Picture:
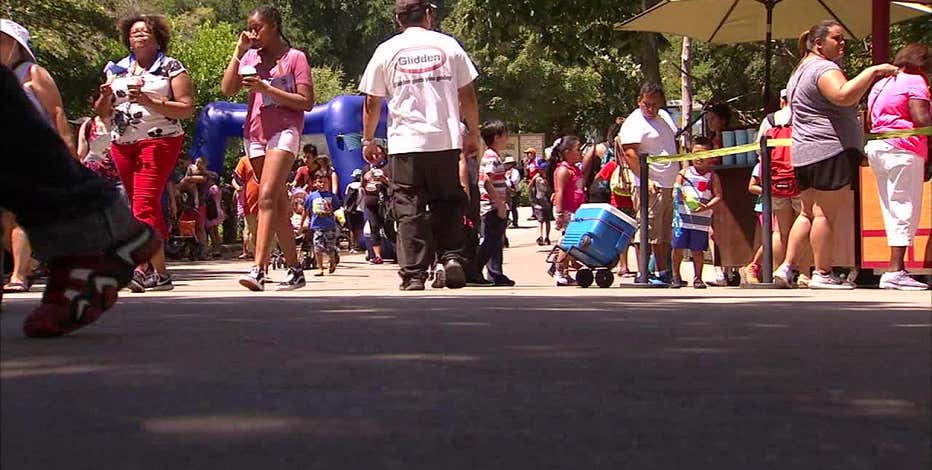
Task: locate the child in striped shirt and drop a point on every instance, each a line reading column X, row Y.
column 696, row 191
column 493, row 203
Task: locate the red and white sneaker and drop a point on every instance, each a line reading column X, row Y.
column 81, row 288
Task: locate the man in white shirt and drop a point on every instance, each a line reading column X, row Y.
column 650, row 129
column 427, row 79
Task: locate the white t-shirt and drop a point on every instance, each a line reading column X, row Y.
column 420, row 72
column 655, row 136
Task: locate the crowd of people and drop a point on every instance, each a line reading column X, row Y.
column 446, row 206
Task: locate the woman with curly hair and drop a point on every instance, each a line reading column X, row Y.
column 145, row 96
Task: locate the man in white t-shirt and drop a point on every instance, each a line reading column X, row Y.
column 650, row 129
column 427, row 79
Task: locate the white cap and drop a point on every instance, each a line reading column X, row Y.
column 783, row 94
column 19, row 34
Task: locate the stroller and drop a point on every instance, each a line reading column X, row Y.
column 183, row 242
column 594, row 239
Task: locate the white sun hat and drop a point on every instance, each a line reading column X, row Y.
column 18, row 33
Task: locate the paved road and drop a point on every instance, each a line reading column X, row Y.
column 351, row 374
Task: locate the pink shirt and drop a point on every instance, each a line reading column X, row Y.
column 889, row 106
column 265, row 117
column 575, row 195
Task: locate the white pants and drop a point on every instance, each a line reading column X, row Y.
column 899, row 182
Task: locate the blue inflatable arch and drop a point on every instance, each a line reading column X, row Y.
column 339, row 122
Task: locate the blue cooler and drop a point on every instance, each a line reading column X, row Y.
column 598, row 234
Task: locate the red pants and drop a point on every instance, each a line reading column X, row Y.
column 144, row 168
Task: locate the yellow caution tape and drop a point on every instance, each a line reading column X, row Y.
column 926, row 131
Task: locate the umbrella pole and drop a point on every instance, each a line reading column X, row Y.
column 768, row 50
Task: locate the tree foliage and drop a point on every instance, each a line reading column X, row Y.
column 545, row 65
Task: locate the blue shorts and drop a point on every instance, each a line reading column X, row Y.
column 696, row 240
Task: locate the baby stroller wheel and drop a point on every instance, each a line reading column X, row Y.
column 604, row 278
column 584, row 277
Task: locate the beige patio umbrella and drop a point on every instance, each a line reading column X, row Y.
column 734, row 21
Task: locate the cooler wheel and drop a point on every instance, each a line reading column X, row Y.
column 604, row 278
column 584, row 277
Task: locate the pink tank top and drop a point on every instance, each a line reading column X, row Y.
column 575, row 197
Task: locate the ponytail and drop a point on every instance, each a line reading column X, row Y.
column 803, row 45
column 807, row 40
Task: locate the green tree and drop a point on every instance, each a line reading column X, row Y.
column 72, row 39
column 550, row 65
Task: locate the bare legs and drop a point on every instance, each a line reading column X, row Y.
column 816, row 224
column 274, row 208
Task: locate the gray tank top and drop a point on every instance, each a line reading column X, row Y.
column 821, row 130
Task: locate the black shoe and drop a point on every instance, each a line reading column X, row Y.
column 455, row 276
column 158, row 282
column 503, row 282
column 294, row 279
column 547, row 241
column 440, row 280
column 677, row 283
column 479, row 282
column 138, row 283
column 540, row 241
column 413, row 283
column 254, row 280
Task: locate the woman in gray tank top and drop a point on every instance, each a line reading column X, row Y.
column 827, row 146
column 42, row 92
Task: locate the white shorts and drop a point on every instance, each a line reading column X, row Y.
column 288, row 140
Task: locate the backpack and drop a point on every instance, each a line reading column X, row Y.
column 351, row 204
column 782, row 175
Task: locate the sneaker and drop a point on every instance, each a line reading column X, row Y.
column 137, row 284
column 802, row 281
column 677, row 283
column 479, row 282
column 81, row 288
column 159, row 282
column 783, row 277
column 254, row 280
column 657, row 281
column 698, row 284
column 900, row 280
column 828, row 281
column 503, row 282
column 719, row 281
column 563, row 280
column 749, row 274
column 440, row 279
column 455, row 276
column 294, row 279
column 413, row 283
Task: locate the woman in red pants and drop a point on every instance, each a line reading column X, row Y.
column 145, row 96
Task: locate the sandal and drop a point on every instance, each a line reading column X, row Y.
column 698, row 284
column 16, row 287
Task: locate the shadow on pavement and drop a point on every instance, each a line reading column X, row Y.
column 510, row 382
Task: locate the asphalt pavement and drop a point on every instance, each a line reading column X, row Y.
column 349, row 373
